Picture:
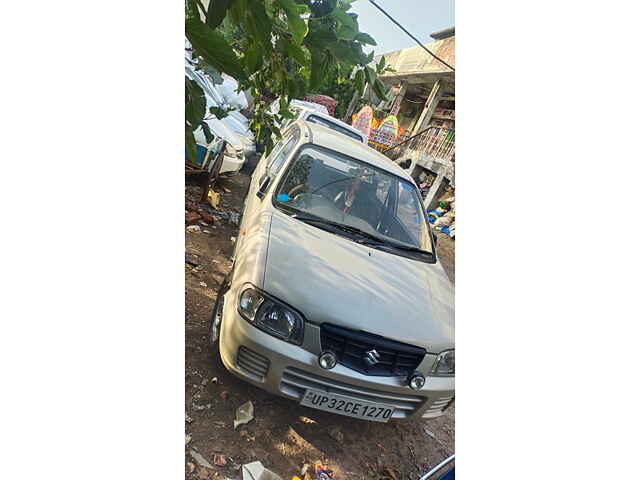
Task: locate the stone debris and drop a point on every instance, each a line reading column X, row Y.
column 200, row 460
column 244, row 414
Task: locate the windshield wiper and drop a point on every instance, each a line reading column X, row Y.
column 370, row 239
column 340, row 226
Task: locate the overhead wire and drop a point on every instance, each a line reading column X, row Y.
column 409, row 33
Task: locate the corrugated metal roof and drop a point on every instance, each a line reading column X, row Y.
column 417, row 60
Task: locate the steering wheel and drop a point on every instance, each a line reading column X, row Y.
column 296, row 190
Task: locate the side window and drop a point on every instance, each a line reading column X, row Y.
column 274, row 166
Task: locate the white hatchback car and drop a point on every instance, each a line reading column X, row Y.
column 336, row 298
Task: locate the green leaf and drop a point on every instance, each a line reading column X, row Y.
column 371, row 75
column 219, row 112
column 317, row 62
column 284, row 111
column 260, row 24
column 379, row 89
column 381, row 64
column 213, row 74
column 345, row 19
column 251, row 58
column 359, row 81
column 191, row 9
column 238, row 11
column 195, row 103
column 296, row 23
column 296, row 52
column 207, row 132
column 365, row 38
column 345, row 32
column 215, row 50
column 217, row 11
column 190, row 144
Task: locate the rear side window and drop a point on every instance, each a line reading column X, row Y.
column 276, row 164
column 334, row 126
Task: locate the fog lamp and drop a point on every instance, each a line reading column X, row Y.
column 416, row 380
column 327, row 360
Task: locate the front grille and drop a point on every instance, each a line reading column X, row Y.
column 252, row 363
column 295, row 382
column 351, row 347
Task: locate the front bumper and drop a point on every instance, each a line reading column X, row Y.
column 288, row 370
column 231, row 165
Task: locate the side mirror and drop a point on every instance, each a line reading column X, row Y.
column 264, row 185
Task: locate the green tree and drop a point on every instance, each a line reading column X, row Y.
column 275, row 49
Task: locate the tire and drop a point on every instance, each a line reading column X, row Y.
column 213, row 333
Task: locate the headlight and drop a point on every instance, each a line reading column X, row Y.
column 271, row 315
column 445, row 364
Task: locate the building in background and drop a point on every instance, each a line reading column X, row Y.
column 421, row 95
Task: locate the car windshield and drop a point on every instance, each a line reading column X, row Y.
column 334, row 126
column 324, row 185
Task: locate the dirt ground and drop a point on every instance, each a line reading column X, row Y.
column 284, row 435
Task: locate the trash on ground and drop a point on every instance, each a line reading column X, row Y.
column 204, row 380
column 191, row 217
column 202, row 284
column 336, row 434
column 244, row 414
column 191, row 259
column 213, row 198
column 193, row 228
column 207, row 217
column 387, row 474
column 233, row 239
column 187, row 418
column 256, row 471
column 323, row 473
column 214, row 380
column 187, row 439
column 200, row 460
column 190, row 467
column 430, row 433
column 234, row 218
column 307, row 420
column 219, row 459
column 247, row 435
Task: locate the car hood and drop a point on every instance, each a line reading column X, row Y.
column 332, row 279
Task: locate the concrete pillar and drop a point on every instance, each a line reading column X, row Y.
column 435, row 191
column 429, row 107
column 395, row 107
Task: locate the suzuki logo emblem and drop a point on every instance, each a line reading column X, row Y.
column 371, row 358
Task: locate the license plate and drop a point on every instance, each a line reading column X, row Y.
column 330, row 402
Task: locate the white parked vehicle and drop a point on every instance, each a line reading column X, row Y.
column 315, row 113
column 238, row 146
column 336, row 298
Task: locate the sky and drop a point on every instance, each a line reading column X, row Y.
column 420, row 17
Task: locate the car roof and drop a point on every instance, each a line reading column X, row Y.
column 331, row 119
column 328, row 138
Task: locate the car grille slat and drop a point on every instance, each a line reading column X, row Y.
column 351, row 347
column 295, row 382
column 252, row 362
